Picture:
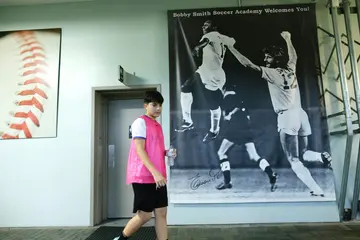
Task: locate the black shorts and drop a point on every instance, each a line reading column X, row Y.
column 147, row 198
column 238, row 128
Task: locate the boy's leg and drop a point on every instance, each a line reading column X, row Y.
column 161, row 223
column 161, row 213
column 135, row 223
column 144, row 202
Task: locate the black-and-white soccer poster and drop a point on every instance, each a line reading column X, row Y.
column 245, row 109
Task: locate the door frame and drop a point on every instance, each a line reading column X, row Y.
column 108, row 93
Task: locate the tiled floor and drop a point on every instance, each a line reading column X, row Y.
column 333, row 231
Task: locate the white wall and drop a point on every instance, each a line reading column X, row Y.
column 46, row 182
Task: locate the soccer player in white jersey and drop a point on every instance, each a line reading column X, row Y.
column 209, row 76
column 293, row 122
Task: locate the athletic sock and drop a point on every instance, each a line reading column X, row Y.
column 225, row 168
column 265, row 166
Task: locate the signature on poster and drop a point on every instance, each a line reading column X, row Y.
column 197, row 181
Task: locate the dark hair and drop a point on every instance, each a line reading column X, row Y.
column 277, row 53
column 153, row 96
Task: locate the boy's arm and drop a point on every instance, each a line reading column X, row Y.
column 140, row 150
column 138, row 130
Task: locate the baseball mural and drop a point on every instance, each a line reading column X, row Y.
column 29, row 80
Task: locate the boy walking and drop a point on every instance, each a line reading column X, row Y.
column 146, row 170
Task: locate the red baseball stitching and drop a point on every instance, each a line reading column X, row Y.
column 34, row 66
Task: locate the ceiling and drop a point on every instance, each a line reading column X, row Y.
column 34, row 2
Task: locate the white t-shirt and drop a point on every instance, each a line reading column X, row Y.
column 138, row 128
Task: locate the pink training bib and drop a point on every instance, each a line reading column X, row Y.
column 154, row 147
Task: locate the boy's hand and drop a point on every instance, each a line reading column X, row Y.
column 172, row 153
column 159, row 179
